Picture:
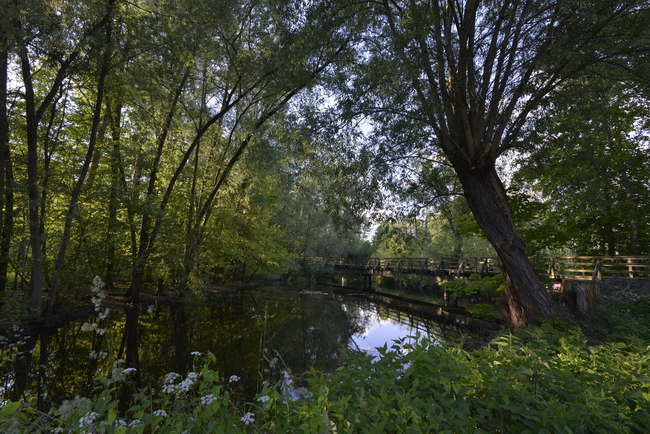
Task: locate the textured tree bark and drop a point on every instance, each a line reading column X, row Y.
column 525, row 300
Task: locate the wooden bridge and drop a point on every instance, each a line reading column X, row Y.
column 556, row 267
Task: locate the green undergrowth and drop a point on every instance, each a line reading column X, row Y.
column 539, row 381
column 547, row 379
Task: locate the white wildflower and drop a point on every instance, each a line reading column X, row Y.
column 128, row 371
column 161, row 413
column 171, row 377
column 88, row 327
column 264, row 399
column 233, row 379
column 120, row 423
column 168, row 388
column 98, row 282
column 87, row 419
column 93, row 355
column 195, row 353
column 208, row 399
column 248, row 418
column 104, row 314
column 184, row 385
column 135, row 423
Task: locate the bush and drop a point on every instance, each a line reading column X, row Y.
column 539, row 381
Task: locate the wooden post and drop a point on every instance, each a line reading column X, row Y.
column 551, row 269
column 598, row 270
column 630, row 268
column 485, row 268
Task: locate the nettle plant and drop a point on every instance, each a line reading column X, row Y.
column 485, row 287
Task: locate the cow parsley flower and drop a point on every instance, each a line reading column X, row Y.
column 88, row 327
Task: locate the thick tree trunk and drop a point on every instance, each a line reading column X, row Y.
column 525, row 300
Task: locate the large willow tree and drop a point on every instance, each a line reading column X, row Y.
column 467, row 74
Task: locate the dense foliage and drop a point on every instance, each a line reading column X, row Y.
column 601, row 209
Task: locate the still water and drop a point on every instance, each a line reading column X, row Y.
column 256, row 335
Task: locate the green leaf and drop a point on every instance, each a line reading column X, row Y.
column 10, row 408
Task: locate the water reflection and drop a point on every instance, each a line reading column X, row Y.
column 256, row 335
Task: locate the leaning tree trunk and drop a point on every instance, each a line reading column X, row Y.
column 525, row 300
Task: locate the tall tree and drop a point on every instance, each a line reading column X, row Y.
column 45, row 37
column 469, row 73
column 90, row 153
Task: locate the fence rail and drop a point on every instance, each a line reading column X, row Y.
column 599, row 267
column 455, row 266
column 558, row 267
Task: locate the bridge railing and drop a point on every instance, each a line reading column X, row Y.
column 447, row 265
column 558, row 267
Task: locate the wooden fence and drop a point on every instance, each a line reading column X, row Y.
column 598, row 267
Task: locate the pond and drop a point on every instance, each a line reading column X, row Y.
column 256, row 335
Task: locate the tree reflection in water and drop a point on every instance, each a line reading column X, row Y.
column 256, row 335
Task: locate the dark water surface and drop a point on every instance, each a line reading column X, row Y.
column 256, row 335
